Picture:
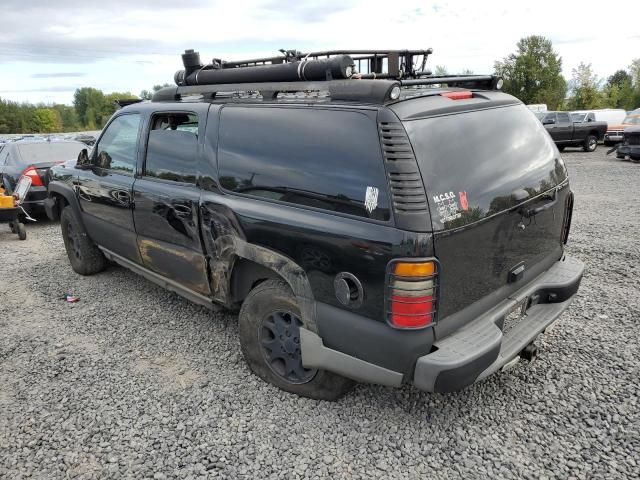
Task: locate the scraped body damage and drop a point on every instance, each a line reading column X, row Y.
column 225, row 250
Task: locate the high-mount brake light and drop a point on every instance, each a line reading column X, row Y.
column 32, row 173
column 457, row 95
column 411, row 297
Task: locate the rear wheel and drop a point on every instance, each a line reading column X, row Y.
column 590, row 143
column 270, row 339
column 85, row 257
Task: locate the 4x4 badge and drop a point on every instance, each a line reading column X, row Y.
column 371, row 199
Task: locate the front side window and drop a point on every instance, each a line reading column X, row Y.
column 310, row 157
column 563, row 117
column 118, row 147
column 172, row 147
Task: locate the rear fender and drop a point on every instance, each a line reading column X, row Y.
column 228, row 249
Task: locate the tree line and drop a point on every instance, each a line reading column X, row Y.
column 533, row 73
column 90, row 111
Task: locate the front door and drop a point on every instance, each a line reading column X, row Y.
column 104, row 190
column 167, row 201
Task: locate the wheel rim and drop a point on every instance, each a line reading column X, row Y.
column 74, row 242
column 279, row 338
column 592, row 144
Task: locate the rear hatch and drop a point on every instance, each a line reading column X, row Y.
column 497, row 191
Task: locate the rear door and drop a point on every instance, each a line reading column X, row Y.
column 497, row 190
column 166, row 197
column 564, row 127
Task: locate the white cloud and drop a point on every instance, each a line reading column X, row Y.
column 124, row 47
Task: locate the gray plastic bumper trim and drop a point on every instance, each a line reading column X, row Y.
column 477, row 339
column 316, row 355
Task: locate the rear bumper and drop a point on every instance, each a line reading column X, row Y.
column 613, row 137
column 35, row 199
column 632, row 151
column 369, row 351
column 480, row 348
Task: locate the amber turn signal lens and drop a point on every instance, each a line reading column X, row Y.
column 408, row 269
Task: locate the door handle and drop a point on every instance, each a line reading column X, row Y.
column 182, row 210
column 531, row 212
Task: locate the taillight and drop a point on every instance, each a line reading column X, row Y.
column 32, row 173
column 566, row 222
column 411, row 295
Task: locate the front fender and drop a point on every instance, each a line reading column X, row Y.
column 66, row 191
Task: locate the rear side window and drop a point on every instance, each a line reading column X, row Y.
column 172, row 147
column 311, row 157
column 563, row 117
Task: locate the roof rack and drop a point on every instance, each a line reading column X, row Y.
column 123, row 102
column 374, row 76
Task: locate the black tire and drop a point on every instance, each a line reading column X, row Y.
column 590, row 143
column 12, row 226
column 22, row 232
column 269, row 300
column 84, row 256
column 561, row 148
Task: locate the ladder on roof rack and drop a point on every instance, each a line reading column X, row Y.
column 293, row 65
column 332, row 71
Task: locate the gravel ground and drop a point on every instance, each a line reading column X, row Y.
column 136, row 382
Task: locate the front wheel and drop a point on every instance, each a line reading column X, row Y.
column 85, row 257
column 590, row 143
column 269, row 326
column 21, row 231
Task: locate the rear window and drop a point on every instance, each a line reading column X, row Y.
column 32, row 153
column 479, row 163
column 315, row 158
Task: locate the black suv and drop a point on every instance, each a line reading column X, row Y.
column 379, row 230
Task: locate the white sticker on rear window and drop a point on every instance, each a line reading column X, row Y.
column 447, row 206
column 371, row 199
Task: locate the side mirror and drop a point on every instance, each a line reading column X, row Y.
column 549, row 121
column 83, row 159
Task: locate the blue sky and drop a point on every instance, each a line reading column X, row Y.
column 48, row 48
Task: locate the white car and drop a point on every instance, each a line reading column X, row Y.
column 612, row 116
